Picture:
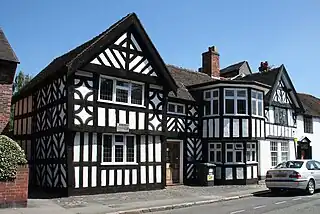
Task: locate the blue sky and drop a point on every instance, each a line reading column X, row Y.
column 281, row 32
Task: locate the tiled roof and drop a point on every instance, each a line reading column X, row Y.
column 310, row 103
column 233, row 67
column 186, row 77
column 6, row 51
column 267, row 78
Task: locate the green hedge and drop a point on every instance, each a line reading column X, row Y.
column 11, row 155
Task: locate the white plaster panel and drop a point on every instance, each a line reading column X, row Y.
column 76, row 147
column 119, row 176
column 132, row 120
column 94, row 147
column 262, row 128
column 264, row 156
column 216, row 127
column 158, row 174
column 76, row 176
column 134, row 176
column 158, row 149
column 122, row 116
column 103, row 178
column 85, row 176
column 150, row 148
column 258, row 128
column 143, row 174
column 111, row 177
column 239, row 173
column 143, row 148
column 112, row 117
column 255, row 172
column 151, row 176
column 204, row 127
column 141, row 120
column 127, row 177
column 245, row 128
column 210, row 127
column 226, row 127
column 249, row 172
column 101, row 116
column 86, row 147
column 93, row 176
column 253, row 130
column 235, row 127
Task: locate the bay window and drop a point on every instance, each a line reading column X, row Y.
column 235, row 101
column 234, row 153
column 118, row 149
column 121, row 91
column 211, row 102
column 215, row 152
column 257, row 103
column 251, row 152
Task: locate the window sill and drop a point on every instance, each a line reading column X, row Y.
column 117, row 163
column 212, row 115
column 258, row 116
column 175, row 113
column 229, row 163
column 242, row 115
column 119, row 103
column 252, row 162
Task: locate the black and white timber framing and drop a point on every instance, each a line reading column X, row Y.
column 98, row 119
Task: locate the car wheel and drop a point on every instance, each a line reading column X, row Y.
column 310, row 187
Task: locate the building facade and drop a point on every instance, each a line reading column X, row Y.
column 110, row 116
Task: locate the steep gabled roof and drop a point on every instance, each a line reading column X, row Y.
column 6, row 51
column 80, row 55
column 311, row 104
column 268, row 78
column 186, row 77
column 233, row 67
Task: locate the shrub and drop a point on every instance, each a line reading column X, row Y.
column 11, row 155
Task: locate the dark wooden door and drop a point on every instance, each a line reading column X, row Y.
column 173, row 163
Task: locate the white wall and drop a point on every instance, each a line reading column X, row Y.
column 314, row 137
column 264, row 157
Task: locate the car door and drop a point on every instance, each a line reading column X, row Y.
column 317, row 173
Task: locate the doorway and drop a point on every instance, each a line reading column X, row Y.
column 174, row 162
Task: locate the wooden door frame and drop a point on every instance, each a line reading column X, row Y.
column 181, row 158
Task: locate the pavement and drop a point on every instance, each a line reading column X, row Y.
column 138, row 202
column 292, row 203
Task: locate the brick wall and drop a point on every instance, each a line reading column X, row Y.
column 15, row 193
column 5, row 104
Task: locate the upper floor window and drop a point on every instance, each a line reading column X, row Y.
column 235, row 101
column 215, row 152
column 257, row 103
column 119, row 149
column 211, row 102
column 308, row 124
column 281, row 116
column 121, row 91
column 176, row 108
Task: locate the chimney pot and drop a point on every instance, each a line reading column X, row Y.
column 210, row 62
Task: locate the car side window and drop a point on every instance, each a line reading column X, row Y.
column 317, row 165
column 310, row 165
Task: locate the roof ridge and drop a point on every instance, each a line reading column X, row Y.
column 185, row 69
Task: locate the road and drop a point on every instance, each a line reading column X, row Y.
column 270, row 204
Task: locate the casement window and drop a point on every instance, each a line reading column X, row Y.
column 279, row 152
column 176, row 108
column 215, row 152
column 257, row 103
column 234, row 153
column 281, row 116
column 251, row 152
column 308, row 124
column 235, row 101
column 121, row 91
column 211, row 102
column 119, row 149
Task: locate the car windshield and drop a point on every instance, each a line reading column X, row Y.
column 290, row 164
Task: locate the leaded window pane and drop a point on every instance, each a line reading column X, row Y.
column 229, row 106
column 107, row 148
column 215, row 106
column 122, row 95
column 136, row 94
column 241, row 106
column 130, row 149
column 118, row 153
column 106, row 89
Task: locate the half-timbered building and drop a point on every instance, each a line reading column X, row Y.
column 110, row 116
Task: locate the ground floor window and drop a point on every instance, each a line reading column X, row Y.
column 251, row 152
column 119, row 149
column 279, row 152
column 215, row 152
column 234, row 153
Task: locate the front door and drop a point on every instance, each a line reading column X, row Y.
column 173, row 163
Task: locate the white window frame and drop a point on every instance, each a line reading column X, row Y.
column 250, row 150
column 215, row 150
column 279, row 150
column 176, row 108
column 234, row 150
column 211, row 99
column 113, row 151
column 258, row 102
column 114, row 88
column 235, row 98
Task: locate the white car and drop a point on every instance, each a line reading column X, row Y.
column 295, row 174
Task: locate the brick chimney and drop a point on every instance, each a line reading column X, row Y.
column 210, row 62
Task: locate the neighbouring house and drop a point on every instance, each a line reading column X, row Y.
column 8, row 65
column 111, row 116
column 308, row 132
